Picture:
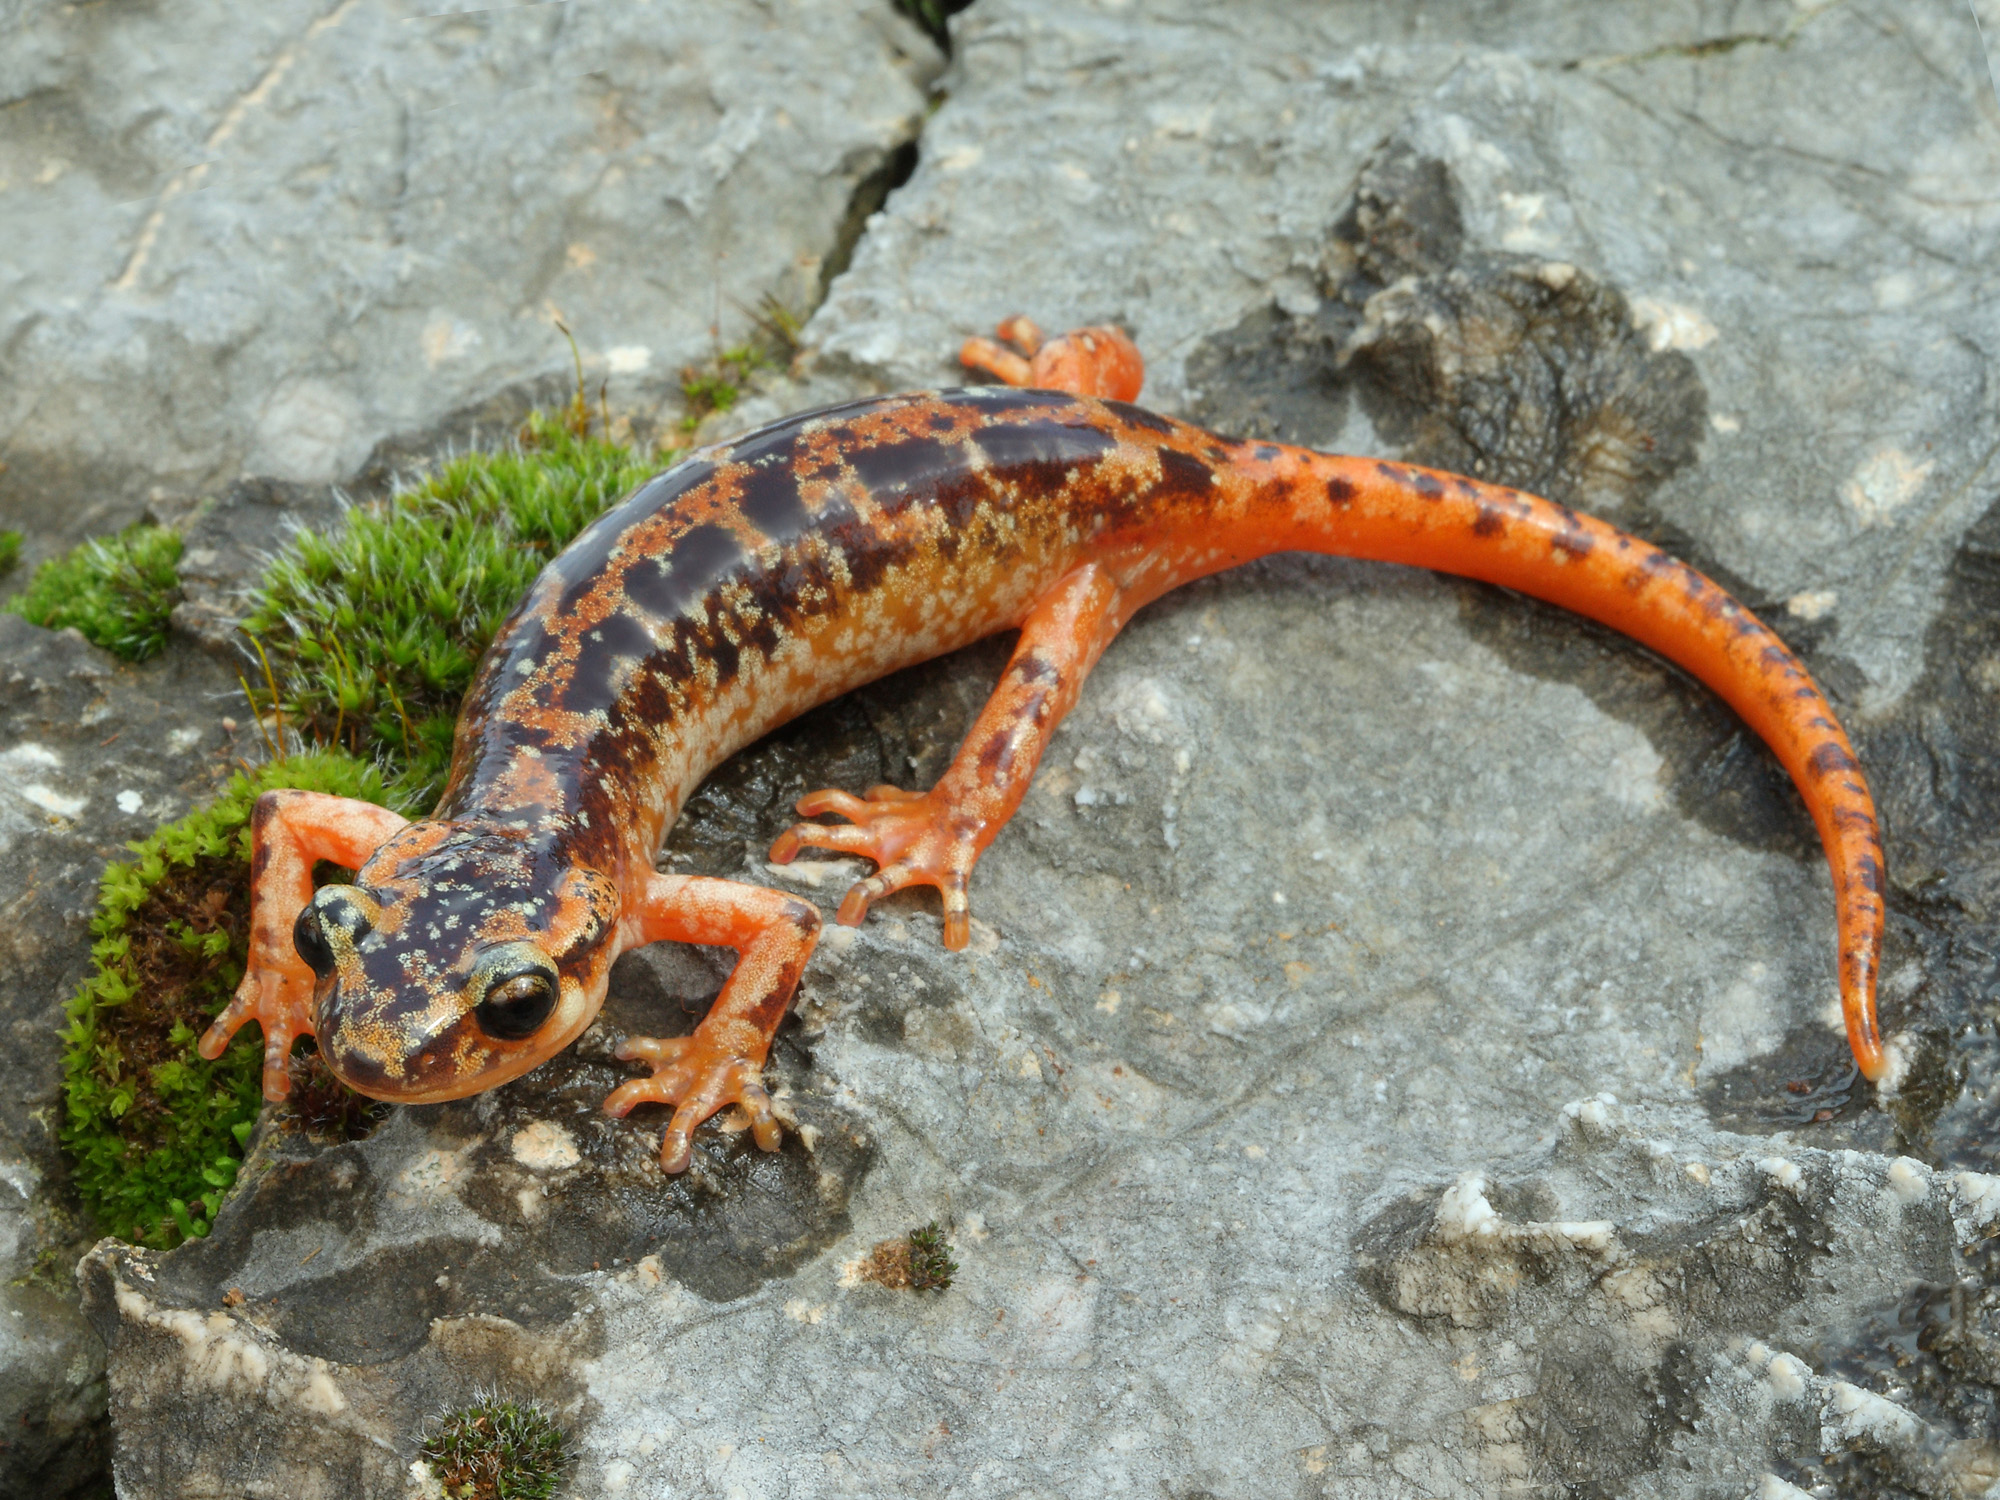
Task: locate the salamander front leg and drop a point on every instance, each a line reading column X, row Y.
column 290, row 832
column 935, row 837
column 723, row 1062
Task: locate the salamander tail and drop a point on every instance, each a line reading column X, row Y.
column 1400, row 513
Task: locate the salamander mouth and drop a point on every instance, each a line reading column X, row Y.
column 451, row 1065
column 379, row 1088
column 358, row 1069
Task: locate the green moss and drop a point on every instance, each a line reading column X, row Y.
column 372, row 631
column 719, row 386
column 497, row 1450
column 931, row 1266
column 369, row 636
column 155, row 1131
column 10, row 551
column 780, row 326
column 117, row 590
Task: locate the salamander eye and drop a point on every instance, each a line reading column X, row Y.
column 310, row 941
column 516, row 1005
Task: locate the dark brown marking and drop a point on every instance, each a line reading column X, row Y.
column 1577, row 543
column 1034, row 669
column 1183, row 473
column 996, row 754
column 907, row 468
column 1340, row 491
column 1005, row 398
column 1829, row 758
column 771, row 501
column 612, row 649
column 1138, row 416
column 1426, row 486
column 1048, row 449
column 1655, row 564
column 670, row 588
column 1490, row 522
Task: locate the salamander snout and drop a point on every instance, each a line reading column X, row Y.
column 426, row 1037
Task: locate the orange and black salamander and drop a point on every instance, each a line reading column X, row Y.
column 770, row 573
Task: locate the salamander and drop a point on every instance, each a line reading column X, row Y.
column 772, row 572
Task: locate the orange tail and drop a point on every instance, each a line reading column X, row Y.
column 1358, row 507
column 1398, row 513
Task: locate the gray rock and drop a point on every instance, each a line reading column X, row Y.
column 296, row 207
column 1399, row 1053
column 227, row 545
column 257, row 246
column 92, row 754
column 1812, row 260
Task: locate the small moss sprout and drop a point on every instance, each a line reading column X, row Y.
column 10, row 551
column 919, row 1261
column 719, row 386
column 931, row 15
column 496, row 1450
column 931, row 1265
column 116, row 590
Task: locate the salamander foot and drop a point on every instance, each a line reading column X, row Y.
column 916, row 838
column 1098, row 361
column 278, row 995
column 699, row 1075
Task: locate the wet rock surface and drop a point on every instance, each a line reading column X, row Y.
column 1399, row 1050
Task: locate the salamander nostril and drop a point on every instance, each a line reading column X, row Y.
column 516, row 1005
column 310, row 941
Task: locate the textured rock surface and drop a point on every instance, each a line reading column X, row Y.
column 259, row 243
column 1399, row 1053
column 92, row 754
column 268, row 244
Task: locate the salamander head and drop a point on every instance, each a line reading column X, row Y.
column 461, row 957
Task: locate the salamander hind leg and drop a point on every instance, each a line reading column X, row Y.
column 935, row 837
column 290, row 832
column 723, row 1062
column 1098, row 361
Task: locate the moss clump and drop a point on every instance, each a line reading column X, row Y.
column 919, row 1261
column 155, row 1131
column 720, row 385
column 10, row 551
column 497, row 1450
column 117, row 590
column 931, row 1265
column 372, row 631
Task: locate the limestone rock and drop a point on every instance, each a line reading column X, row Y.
column 255, row 245
column 92, row 754
column 1398, row 1054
